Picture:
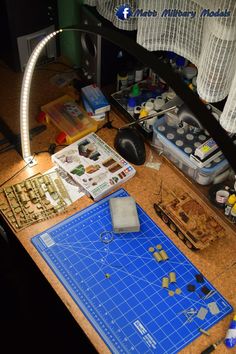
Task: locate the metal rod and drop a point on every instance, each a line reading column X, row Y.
column 157, row 114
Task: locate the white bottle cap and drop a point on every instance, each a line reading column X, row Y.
column 158, row 103
column 149, row 106
column 188, row 150
column 170, row 136
column 197, row 144
column 180, row 131
column 161, row 128
column 194, row 81
column 202, row 137
column 150, row 122
column 189, row 72
column 189, row 137
column 179, row 143
column 170, row 94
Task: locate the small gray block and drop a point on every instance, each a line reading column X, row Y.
column 202, row 313
column 124, row 215
column 213, row 307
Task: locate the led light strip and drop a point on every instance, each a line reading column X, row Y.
column 24, row 99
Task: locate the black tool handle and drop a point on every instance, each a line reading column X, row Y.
column 209, row 349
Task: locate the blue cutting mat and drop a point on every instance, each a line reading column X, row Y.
column 118, row 285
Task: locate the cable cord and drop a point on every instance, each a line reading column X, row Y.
column 18, row 172
column 107, row 125
column 51, row 150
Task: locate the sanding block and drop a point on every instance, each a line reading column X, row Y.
column 124, row 215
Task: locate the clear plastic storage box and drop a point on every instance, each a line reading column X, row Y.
column 177, row 144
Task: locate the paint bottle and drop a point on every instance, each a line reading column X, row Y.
column 162, row 85
column 230, row 339
column 194, row 83
column 180, row 63
column 130, row 77
column 149, row 106
column 189, row 72
column 233, row 214
column 130, row 72
column 122, row 80
column 135, row 92
column 230, row 202
column 171, row 58
column 150, row 122
column 122, row 75
column 145, row 72
column 137, row 110
column 138, row 73
column 143, row 113
column 221, row 196
column 158, row 103
column 152, row 79
column 131, row 105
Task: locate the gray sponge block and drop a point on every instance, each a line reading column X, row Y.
column 124, row 215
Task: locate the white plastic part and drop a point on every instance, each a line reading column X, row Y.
column 124, row 215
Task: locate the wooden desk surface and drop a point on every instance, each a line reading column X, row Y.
column 217, row 263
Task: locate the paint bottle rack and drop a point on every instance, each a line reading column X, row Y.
column 178, row 143
column 147, row 91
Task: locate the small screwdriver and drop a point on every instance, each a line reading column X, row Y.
column 212, row 347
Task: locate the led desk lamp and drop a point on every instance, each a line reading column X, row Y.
column 149, row 59
column 24, row 99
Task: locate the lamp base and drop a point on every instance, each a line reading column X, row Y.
column 30, row 161
column 14, row 140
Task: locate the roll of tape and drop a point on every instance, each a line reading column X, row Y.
column 222, row 196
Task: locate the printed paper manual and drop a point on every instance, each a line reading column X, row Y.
column 94, row 165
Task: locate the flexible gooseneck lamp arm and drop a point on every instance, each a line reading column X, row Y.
column 25, row 93
column 148, row 58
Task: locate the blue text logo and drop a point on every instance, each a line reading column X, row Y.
column 124, row 12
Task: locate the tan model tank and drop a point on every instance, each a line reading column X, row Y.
column 190, row 220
